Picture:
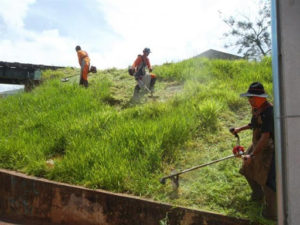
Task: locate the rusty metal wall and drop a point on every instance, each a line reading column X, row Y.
column 41, row 201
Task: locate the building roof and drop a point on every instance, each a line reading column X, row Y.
column 214, row 54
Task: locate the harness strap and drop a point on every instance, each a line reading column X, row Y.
column 141, row 67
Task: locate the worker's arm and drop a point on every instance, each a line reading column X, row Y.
column 239, row 129
column 137, row 62
column 80, row 55
column 148, row 64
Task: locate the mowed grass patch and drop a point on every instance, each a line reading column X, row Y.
column 98, row 140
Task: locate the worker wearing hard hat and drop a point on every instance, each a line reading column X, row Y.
column 84, row 62
column 140, row 74
column 259, row 160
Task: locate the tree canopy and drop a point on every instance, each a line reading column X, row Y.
column 251, row 36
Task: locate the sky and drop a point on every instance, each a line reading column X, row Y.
column 114, row 32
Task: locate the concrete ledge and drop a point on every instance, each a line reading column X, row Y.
column 29, row 198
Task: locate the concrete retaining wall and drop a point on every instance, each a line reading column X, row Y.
column 29, row 198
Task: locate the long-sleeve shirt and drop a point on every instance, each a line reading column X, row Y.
column 82, row 55
column 139, row 60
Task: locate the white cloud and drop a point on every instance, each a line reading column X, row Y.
column 46, row 47
column 173, row 29
column 13, row 12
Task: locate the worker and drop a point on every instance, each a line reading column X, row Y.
column 143, row 78
column 84, row 62
column 259, row 160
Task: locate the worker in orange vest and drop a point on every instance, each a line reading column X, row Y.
column 139, row 68
column 84, row 62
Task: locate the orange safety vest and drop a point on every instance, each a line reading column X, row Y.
column 82, row 55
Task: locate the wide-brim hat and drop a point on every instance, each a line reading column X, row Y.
column 255, row 89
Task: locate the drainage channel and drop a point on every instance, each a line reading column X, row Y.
column 27, row 198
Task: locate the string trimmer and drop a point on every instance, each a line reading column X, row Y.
column 93, row 69
column 142, row 84
column 174, row 177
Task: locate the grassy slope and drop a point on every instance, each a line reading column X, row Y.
column 98, row 138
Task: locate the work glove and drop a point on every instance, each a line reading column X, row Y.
column 131, row 71
column 233, row 131
column 238, row 151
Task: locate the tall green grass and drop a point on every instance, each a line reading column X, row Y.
column 95, row 143
column 83, row 134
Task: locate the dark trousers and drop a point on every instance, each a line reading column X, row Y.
column 83, row 82
column 137, row 88
column 259, row 192
column 152, row 83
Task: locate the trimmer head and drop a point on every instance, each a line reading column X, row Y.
column 162, row 180
column 65, row 79
column 174, row 176
column 174, row 179
column 175, row 182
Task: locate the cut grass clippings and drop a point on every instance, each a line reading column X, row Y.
column 98, row 138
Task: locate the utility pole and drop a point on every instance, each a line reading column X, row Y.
column 286, row 86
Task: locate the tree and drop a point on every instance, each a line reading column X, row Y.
column 252, row 38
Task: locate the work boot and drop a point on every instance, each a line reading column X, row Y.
column 152, row 83
column 267, row 214
column 257, row 197
column 136, row 93
column 270, row 211
column 83, row 82
column 152, row 90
